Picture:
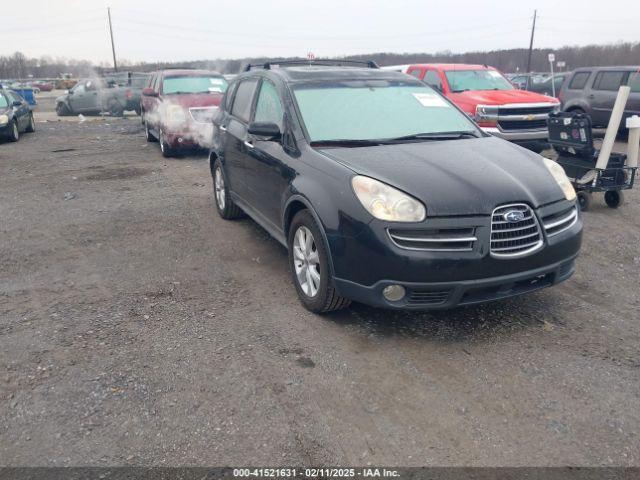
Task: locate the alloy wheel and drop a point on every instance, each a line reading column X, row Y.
column 306, row 261
column 219, row 188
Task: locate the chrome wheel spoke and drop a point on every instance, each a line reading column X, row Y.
column 306, row 261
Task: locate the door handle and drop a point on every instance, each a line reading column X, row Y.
column 223, row 128
column 248, row 144
column 592, row 96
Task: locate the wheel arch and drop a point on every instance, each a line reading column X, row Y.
column 295, row 204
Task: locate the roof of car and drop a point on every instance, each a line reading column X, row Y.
column 454, row 66
column 619, row 67
column 314, row 72
column 188, row 72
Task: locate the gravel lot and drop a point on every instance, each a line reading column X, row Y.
column 137, row 327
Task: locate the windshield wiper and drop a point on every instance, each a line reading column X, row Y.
column 460, row 91
column 347, row 142
column 435, row 136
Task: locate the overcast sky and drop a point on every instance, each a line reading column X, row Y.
column 156, row 30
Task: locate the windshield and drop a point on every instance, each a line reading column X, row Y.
column 188, row 84
column 461, row 80
column 375, row 109
column 3, row 101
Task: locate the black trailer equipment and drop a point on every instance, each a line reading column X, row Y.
column 571, row 136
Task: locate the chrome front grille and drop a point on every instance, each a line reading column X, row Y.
column 203, row 114
column 515, row 231
column 435, row 239
column 524, row 116
column 561, row 221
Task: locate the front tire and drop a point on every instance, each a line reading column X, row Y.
column 14, row 134
column 167, row 151
column 309, row 264
column 584, row 200
column 227, row 209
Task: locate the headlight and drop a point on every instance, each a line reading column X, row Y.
column 175, row 114
column 387, row 203
column 563, row 181
column 556, row 107
column 4, row 119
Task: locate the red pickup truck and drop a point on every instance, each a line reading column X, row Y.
column 492, row 101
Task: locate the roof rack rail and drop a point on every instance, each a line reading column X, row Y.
column 322, row 62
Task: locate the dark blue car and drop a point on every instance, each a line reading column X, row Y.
column 387, row 194
column 15, row 116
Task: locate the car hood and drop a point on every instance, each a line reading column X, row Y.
column 501, row 97
column 456, row 177
column 194, row 99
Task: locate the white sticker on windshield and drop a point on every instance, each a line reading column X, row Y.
column 430, row 100
column 216, row 81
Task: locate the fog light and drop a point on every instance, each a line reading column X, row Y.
column 393, row 293
column 180, row 140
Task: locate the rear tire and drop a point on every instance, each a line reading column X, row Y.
column 613, row 198
column 147, row 133
column 31, row 126
column 227, row 209
column 62, row 110
column 309, row 264
column 115, row 109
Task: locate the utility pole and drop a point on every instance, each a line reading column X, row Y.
column 533, row 30
column 113, row 48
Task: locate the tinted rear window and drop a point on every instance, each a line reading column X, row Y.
column 579, row 80
column 242, row 101
column 609, row 80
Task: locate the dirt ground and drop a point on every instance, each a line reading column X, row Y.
column 137, row 327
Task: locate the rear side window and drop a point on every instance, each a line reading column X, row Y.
column 228, row 96
column 243, row 97
column 609, row 81
column 634, row 82
column 579, row 80
column 433, row 79
column 269, row 108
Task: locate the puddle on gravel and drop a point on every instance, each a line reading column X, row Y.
column 117, row 173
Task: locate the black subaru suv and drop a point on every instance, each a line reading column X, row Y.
column 385, row 193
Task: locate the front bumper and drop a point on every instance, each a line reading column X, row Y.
column 368, row 262
column 518, row 135
column 443, row 295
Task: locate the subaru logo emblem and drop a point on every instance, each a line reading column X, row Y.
column 514, row 216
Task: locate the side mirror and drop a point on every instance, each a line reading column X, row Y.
column 269, row 130
column 149, row 92
column 17, row 103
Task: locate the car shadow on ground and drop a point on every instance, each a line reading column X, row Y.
column 483, row 322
